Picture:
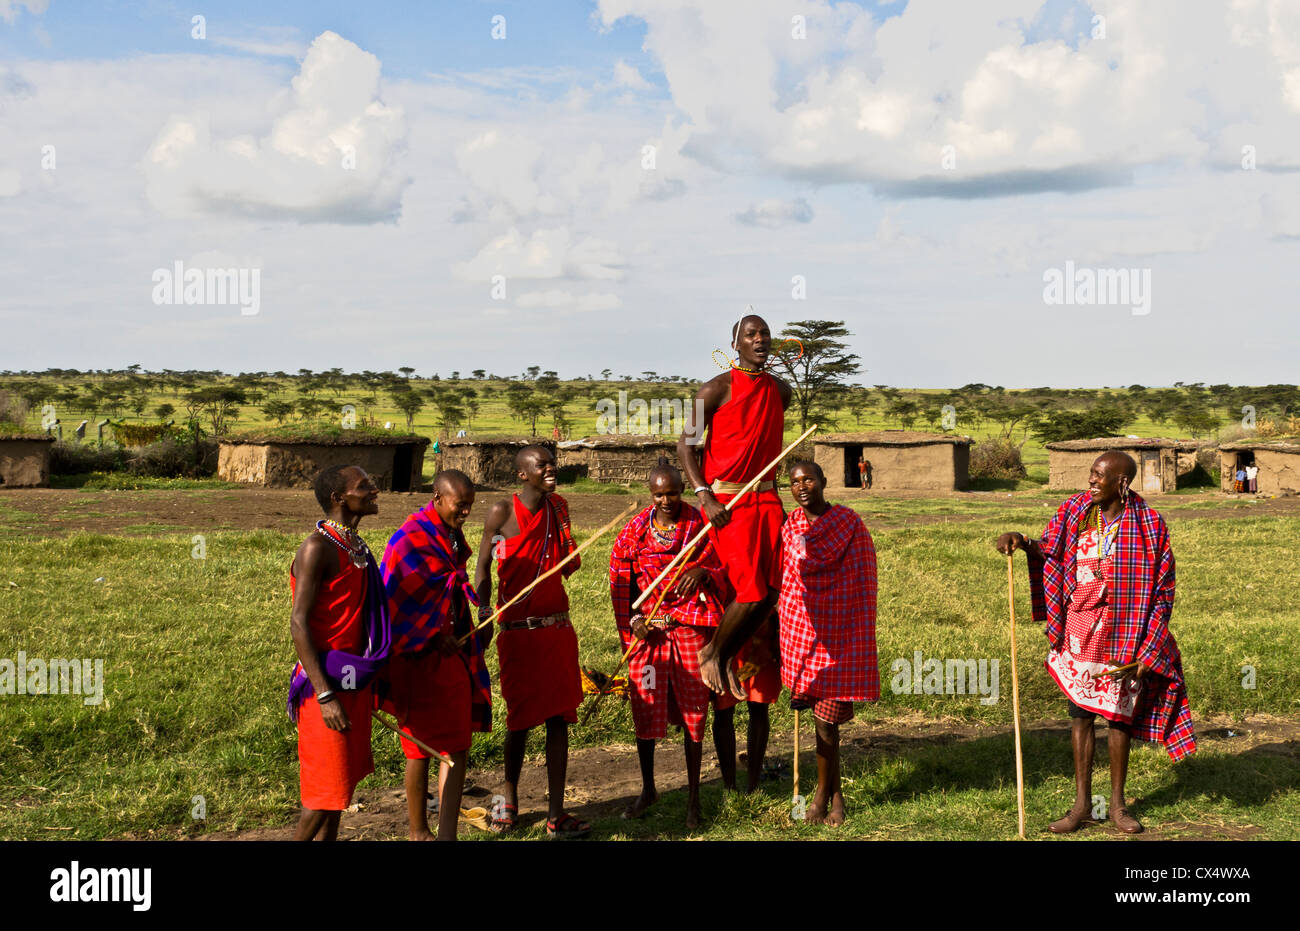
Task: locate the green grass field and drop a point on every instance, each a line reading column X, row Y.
column 196, row 655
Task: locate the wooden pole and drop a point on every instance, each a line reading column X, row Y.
column 1015, row 696
column 591, row 709
column 796, row 758
column 745, row 489
column 412, row 738
column 636, row 505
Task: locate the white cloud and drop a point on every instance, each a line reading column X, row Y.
column 862, row 100
column 10, row 9
column 555, row 299
column 271, row 43
column 329, row 156
column 626, row 75
column 11, row 182
column 547, row 253
column 772, row 213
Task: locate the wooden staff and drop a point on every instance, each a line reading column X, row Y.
column 635, row 506
column 796, row 758
column 591, row 709
column 748, row 486
column 412, row 738
column 1118, row 671
column 1015, row 697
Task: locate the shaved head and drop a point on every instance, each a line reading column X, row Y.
column 451, row 481
column 739, row 327
column 666, row 471
column 1119, row 464
column 528, row 453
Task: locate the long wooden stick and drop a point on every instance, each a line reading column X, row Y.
column 412, row 738
column 748, row 486
column 796, row 758
column 591, row 709
column 635, row 506
column 1015, row 696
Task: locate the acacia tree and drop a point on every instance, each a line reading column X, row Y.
column 818, row 376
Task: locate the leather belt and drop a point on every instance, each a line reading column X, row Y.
column 732, row 488
column 533, row 623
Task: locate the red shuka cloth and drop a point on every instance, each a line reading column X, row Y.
column 539, row 668
column 744, row 436
column 828, row 607
column 331, row 763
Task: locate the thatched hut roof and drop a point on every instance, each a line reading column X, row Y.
column 892, row 438
column 621, row 441
column 1289, row 444
column 1104, row 443
column 28, row 437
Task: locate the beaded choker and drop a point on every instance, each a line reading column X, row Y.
column 346, row 539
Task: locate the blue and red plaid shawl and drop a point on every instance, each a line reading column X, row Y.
column 1141, row 600
column 428, row 587
column 339, row 665
column 638, row 558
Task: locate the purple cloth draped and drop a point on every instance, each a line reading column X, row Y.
column 338, row 663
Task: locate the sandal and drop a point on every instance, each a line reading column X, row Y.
column 505, row 818
column 567, row 827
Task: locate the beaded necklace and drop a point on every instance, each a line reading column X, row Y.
column 357, row 552
column 663, row 536
column 1106, row 533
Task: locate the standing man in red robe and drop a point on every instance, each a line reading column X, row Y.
column 537, row 648
column 743, row 410
column 341, row 633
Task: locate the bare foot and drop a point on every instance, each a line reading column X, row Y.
column 1070, row 823
column 421, row 835
column 836, row 815
column 643, row 801
column 815, row 813
column 693, row 815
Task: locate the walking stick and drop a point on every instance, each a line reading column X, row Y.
column 796, row 759
column 591, row 709
column 636, row 505
column 412, row 738
column 746, row 489
column 1015, row 697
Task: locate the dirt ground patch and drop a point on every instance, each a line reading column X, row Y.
column 603, row 780
column 59, row 511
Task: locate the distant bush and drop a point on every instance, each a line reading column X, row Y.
column 996, row 458
column 141, row 434
column 76, row 458
column 172, row 459
column 13, row 412
column 1057, row 426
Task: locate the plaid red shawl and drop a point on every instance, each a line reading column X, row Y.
column 428, row 587
column 638, row 558
column 827, row 606
column 1141, row 600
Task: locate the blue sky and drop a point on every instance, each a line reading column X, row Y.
column 412, row 191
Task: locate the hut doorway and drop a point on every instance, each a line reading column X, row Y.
column 402, row 460
column 1151, row 483
column 852, row 477
column 1242, row 472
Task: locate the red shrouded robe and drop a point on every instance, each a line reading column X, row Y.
column 828, row 607
column 539, row 668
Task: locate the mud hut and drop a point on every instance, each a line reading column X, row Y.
column 616, row 458
column 395, row 462
column 25, row 460
column 1160, row 461
column 488, row 461
column 1278, row 462
column 901, row 460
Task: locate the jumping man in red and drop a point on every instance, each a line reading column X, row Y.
column 537, row 648
column 743, row 411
